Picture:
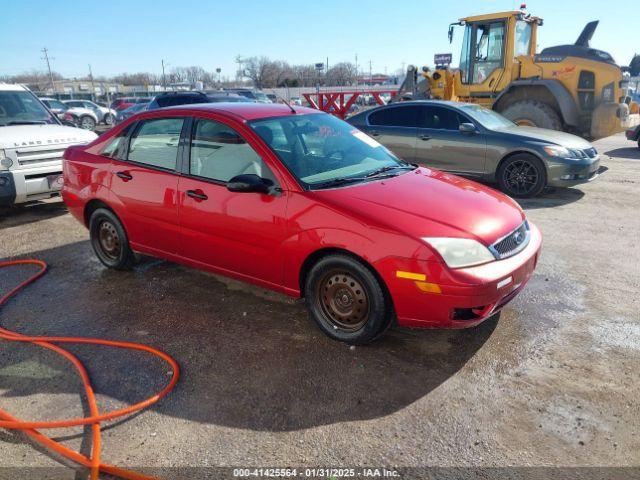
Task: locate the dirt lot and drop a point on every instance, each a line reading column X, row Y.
column 553, row 382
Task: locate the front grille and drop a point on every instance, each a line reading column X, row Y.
column 34, row 156
column 591, row 152
column 512, row 243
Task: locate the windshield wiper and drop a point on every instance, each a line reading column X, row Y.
column 336, row 182
column 388, row 168
column 26, row 122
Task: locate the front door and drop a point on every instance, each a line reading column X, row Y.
column 234, row 232
column 441, row 144
column 144, row 185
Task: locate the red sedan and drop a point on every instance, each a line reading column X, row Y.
column 300, row 202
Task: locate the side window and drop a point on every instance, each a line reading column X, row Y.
column 441, row 118
column 218, row 152
column 116, row 146
column 155, row 143
column 402, row 116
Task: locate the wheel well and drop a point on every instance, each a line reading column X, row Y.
column 536, row 93
column 519, row 152
column 312, row 259
column 92, row 206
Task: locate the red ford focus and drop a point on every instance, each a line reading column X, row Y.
column 302, row 203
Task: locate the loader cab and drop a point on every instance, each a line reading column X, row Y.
column 490, row 46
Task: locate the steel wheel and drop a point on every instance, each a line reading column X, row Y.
column 343, row 301
column 109, row 240
column 521, row 177
column 87, row 123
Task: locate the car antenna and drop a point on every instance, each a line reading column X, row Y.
column 287, row 104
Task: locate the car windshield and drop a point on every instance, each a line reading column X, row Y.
column 487, row 118
column 322, row 151
column 22, row 108
column 260, row 96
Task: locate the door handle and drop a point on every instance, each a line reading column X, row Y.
column 126, row 176
column 197, row 194
column 425, row 137
column 374, row 134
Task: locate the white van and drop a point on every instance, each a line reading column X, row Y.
column 32, row 141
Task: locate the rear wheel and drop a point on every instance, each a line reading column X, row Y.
column 532, row 113
column 87, row 123
column 109, row 240
column 522, row 175
column 347, row 301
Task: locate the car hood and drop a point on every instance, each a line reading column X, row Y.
column 547, row 136
column 428, row 202
column 16, row 136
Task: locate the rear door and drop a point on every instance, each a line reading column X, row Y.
column 441, row 144
column 395, row 127
column 144, row 185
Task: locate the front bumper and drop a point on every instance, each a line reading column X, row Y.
column 567, row 173
column 462, row 297
column 25, row 185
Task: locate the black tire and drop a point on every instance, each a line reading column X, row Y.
column 639, row 143
column 109, row 119
column 533, row 113
column 109, row 240
column 87, row 123
column 522, row 175
column 356, row 309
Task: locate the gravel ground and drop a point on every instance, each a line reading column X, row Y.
column 551, row 383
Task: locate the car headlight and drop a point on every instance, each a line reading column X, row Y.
column 557, row 151
column 460, row 252
column 5, row 162
column 607, row 93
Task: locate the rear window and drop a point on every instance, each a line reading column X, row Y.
column 403, row 116
column 170, row 101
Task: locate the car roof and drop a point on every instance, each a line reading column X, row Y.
column 12, row 87
column 242, row 110
column 190, row 93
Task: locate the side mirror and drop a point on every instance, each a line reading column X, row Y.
column 467, row 128
column 250, row 183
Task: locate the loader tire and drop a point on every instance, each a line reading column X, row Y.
column 533, row 114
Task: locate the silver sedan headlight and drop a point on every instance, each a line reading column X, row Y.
column 460, row 252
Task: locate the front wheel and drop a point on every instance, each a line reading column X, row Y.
column 109, row 240
column 347, row 301
column 522, row 175
column 108, row 119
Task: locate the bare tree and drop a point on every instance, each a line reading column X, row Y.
column 341, row 74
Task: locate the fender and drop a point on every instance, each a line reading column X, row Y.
column 566, row 103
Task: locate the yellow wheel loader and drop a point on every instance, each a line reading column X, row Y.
column 574, row 88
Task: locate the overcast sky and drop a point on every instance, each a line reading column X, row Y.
column 130, row 36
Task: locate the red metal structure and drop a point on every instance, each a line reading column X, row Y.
column 339, row 103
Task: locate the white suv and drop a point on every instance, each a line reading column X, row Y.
column 105, row 115
column 32, row 141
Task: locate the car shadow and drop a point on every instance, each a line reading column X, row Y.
column 553, row 197
column 29, row 213
column 632, row 153
column 250, row 359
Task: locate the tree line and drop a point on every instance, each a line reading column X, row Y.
column 261, row 72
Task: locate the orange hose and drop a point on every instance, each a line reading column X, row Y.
column 92, row 462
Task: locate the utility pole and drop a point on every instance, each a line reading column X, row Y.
column 46, row 57
column 356, row 70
column 93, row 87
column 370, row 74
column 164, row 80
